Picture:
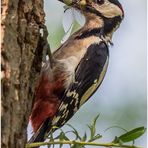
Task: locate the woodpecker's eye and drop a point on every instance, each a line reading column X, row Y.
column 100, row 2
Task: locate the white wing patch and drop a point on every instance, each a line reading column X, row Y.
column 75, row 96
column 63, row 109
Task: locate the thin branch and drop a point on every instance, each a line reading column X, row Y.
column 80, row 143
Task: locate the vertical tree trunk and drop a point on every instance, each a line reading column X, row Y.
column 21, row 62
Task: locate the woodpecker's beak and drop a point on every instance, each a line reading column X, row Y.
column 82, row 5
column 79, row 4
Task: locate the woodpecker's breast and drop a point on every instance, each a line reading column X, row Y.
column 71, row 53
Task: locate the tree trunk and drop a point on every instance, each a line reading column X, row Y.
column 21, row 62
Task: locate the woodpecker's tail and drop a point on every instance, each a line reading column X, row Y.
column 39, row 136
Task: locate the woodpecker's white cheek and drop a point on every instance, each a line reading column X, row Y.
column 110, row 10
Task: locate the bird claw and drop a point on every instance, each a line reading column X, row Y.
column 45, row 32
column 46, row 47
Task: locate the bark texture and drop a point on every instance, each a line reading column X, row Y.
column 21, row 62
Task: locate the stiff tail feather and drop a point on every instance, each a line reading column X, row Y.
column 39, row 136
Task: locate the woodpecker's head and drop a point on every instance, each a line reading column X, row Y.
column 109, row 11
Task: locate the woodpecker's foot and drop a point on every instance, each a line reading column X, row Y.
column 46, row 46
column 45, row 32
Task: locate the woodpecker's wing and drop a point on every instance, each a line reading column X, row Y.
column 88, row 77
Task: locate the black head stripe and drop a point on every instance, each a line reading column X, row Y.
column 88, row 33
column 110, row 24
column 92, row 10
column 116, row 2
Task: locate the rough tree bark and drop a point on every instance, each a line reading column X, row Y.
column 21, row 62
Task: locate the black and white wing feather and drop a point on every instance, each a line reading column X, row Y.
column 88, row 77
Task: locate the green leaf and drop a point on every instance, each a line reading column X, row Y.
column 51, row 137
column 117, row 140
column 91, row 133
column 98, row 136
column 75, row 132
column 84, row 138
column 92, row 127
column 131, row 135
column 115, row 127
column 62, row 137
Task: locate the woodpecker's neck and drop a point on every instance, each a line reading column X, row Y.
column 93, row 22
column 96, row 26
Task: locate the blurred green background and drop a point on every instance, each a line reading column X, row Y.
column 121, row 99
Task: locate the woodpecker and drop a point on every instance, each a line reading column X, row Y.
column 78, row 67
